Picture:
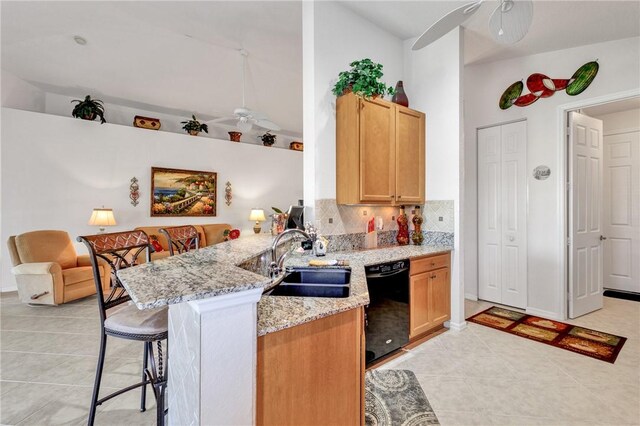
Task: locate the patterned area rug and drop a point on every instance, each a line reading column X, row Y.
column 592, row 343
column 395, row 398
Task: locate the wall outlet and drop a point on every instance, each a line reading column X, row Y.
column 364, row 213
column 440, row 219
column 330, row 220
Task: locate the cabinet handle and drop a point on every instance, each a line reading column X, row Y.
column 433, row 276
column 392, row 196
column 399, row 196
column 433, row 263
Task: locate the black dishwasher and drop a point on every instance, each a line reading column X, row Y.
column 387, row 315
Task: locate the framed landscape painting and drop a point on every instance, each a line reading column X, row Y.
column 176, row 192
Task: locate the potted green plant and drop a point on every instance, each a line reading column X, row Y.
column 88, row 109
column 268, row 139
column 193, row 127
column 363, row 79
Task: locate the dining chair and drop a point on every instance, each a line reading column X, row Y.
column 181, row 238
column 120, row 318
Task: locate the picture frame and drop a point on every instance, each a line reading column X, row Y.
column 178, row 192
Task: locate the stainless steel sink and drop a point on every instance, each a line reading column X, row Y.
column 314, row 282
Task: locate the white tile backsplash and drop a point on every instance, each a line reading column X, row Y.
column 353, row 219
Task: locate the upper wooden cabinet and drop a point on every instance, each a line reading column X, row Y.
column 380, row 152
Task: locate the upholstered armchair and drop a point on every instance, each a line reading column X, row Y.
column 48, row 270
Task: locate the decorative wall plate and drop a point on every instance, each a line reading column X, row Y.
column 541, row 173
column 541, row 86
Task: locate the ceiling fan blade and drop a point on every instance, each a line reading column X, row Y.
column 268, row 124
column 222, row 119
column 258, row 115
column 445, row 24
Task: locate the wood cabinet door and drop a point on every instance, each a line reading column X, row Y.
column 377, row 151
column 439, row 296
column 419, row 321
column 312, row 374
column 410, row 156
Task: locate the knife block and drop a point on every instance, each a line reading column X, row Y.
column 371, row 240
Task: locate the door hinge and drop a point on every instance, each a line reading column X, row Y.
column 568, row 241
column 568, row 185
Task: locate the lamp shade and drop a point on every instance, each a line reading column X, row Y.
column 257, row 215
column 102, row 217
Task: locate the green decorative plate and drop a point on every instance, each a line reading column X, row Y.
column 582, row 78
column 510, row 95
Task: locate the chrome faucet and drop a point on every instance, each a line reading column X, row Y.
column 275, row 267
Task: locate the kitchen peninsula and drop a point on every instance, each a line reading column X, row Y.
column 226, row 340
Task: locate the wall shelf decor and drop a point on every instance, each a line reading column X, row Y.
column 228, row 195
column 134, row 191
column 146, row 122
column 541, row 86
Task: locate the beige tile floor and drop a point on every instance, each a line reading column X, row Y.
column 481, row 376
column 478, row 376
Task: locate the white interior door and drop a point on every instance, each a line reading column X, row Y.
column 514, row 214
column 502, row 196
column 489, row 214
column 622, row 211
column 585, row 214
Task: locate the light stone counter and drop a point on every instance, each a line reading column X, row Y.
column 280, row 312
column 213, row 271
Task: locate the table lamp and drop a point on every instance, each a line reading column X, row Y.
column 102, row 217
column 258, row 216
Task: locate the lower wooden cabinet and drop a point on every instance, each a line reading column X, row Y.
column 313, row 374
column 429, row 294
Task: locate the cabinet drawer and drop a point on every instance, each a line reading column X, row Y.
column 424, row 264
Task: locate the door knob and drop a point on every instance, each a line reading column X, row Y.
column 511, row 238
column 602, row 238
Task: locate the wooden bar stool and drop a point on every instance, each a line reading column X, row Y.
column 181, row 239
column 119, row 317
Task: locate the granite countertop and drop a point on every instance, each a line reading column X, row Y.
column 280, row 312
column 212, row 271
column 200, row 274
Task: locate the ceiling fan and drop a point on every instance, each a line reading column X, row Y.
column 244, row 117
column 508, row 24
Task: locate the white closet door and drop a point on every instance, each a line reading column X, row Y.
column 514, row 213
column 489, row 215
column 622, row 211
column 502, row 196
column 585, row 214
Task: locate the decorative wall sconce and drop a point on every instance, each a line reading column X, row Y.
column 134, row 193
column 228, row 195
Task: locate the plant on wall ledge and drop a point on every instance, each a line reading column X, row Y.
column 363, row 79
column 89, row 109
column 268, row 139
column 193, row 127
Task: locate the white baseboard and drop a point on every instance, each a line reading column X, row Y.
column 544, row 314
column 470, row 296
column 455, row 326
column 8, row 289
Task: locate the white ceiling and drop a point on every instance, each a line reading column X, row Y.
column 613, row 107
column 176, row 56
column 181, row 57
column 556, row 24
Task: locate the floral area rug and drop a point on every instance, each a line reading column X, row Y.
column 395, row 398
column 592, row 343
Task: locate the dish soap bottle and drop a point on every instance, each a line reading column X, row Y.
column 403, row 228
column 417, row 220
